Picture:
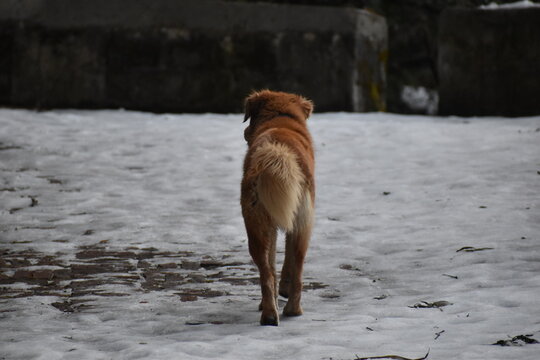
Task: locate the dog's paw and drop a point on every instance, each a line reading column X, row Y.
column 292, row 309
column 270, row 320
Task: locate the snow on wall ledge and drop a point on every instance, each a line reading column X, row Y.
column 489, row 61
column 188, row 56
column 515, row 5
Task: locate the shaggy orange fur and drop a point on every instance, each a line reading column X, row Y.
column 278, row 192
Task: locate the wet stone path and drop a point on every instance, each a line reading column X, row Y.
column 97, row 271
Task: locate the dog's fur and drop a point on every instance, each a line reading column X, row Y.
column 278, row 192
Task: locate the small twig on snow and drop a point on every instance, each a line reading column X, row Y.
column 395, row 357
column 473, row 249
column 451, row 276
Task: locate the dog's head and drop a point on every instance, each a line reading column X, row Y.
column 265, row 105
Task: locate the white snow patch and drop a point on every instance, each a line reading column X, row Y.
column 397, row 197
column 18, row 286
column 420, row 99
column 515, row 5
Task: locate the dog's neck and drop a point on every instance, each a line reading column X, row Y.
column 280, row 114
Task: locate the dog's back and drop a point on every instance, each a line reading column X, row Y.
column 278, row 192
column 279, row 173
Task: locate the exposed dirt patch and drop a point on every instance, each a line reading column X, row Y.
column 99, row 271
column 204, row 292
column 431, row 305
column 519, row 340
column 4, row 147
column 314, row 286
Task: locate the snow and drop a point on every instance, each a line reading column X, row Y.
column 420, row 99
column 410, row 209
column 515, row 5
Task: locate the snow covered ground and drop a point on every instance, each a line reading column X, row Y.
column 121, row 238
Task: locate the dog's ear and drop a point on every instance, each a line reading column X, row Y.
column 306, row 105
column 253, row 105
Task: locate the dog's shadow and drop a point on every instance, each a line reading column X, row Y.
column 234, row 313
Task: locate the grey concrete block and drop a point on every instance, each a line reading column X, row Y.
column 489, row 62
column 56, row 68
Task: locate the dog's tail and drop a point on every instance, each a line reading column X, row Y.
column 280, row 185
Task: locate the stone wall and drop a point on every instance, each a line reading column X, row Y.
column 249, row 49
column 413, row 26
column 413, row 74
column 489, row 62
column 189, row 55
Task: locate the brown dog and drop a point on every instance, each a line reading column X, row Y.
column 278, row 192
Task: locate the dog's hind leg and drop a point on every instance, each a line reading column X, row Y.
column 295, row 253
column 297, row 249
column 272, row 263
column 285, row 279
column 262, row 249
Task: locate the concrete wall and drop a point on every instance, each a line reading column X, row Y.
column 489, row 62
column 413, row 48
column 413, row 26
column 189, row 55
